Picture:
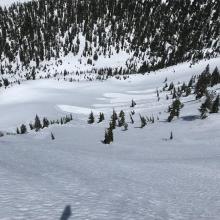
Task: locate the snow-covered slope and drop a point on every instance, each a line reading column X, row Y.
column 141, row 175
column 7, row 3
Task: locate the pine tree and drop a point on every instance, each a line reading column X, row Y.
column 125, row 126
column 143, row 121
column 31, row 126
column 114, row 119
column 17, row 131
column 108, row 136
column 121, row 120
column 171, row 135
column 37, row 123
column 91, row 119
column 202, row 83
column 203, row 110
column 132, row 120
column 101, row 117
column 174, row 109
column 133, row 103
column 206, row 106
column 215, row 106
column 52, row 136
column 215, row 77
column 45, row 123
column 23, row 129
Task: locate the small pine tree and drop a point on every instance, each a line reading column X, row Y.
column 203, row 110
column 45, row 123
column 203, row 81
column 108, row 136
column 132, row 120
column 133, row 103
column 174, row 109
column 171, row 135
column 215, row 77
column 52, row 136
column 101, row 117
column 114, row 118
column 37, row 123
column 17, row 131
column 143, row 121
column 31, row 126
column 23, row 129
column 171, row 86
column 91, row 119
column 215, row 106
column 125, row 126
column 121, row 119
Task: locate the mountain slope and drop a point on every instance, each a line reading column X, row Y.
column 143, row 35
column 141, row 175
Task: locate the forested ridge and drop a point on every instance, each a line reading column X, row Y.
column 154, row 33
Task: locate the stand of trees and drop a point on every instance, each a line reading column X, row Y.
column 154, row 33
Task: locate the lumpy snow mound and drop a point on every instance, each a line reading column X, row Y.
column 141, row 175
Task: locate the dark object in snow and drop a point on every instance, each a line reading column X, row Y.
column 171, row 135
column 52, row 136
column 66, row 213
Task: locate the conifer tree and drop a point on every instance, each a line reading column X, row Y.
column 45, row 123
column 121, row 120
column 132, row 120
column 101, row 117
column 108, row 136
column 215, row 106
column 215, row 77
column 202, row 83
column 52, row 136
column 37, row 123
column 171, row 135
column 143, row 121
column 206, row 106
column 174, row 109
column 91, row 119
column 133, row 103
column 17, row 131
column 23, row 129
column 114, row 119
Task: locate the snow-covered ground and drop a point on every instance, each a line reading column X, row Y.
column 142, row 175
column 9, row 2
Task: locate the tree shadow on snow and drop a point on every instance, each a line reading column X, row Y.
column 190, row 117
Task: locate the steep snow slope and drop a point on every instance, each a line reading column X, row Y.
column 142, row 175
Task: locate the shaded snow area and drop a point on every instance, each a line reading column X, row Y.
column 142, row 175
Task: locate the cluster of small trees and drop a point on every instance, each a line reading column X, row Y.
column 199, row 84
column 91, row 119
column 205, row 80
column 45, row 123
column 210, row 105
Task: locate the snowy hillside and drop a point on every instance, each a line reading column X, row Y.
column 110, row 108
column 104, row 37
column 7, row 3
column 141, row 175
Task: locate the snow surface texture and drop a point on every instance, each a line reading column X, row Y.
column 142, row 175
column 9, row 2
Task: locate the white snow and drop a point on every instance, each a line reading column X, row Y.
column 9, row 2
column 142, row 175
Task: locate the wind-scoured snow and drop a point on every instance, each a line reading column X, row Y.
column 141, row 175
